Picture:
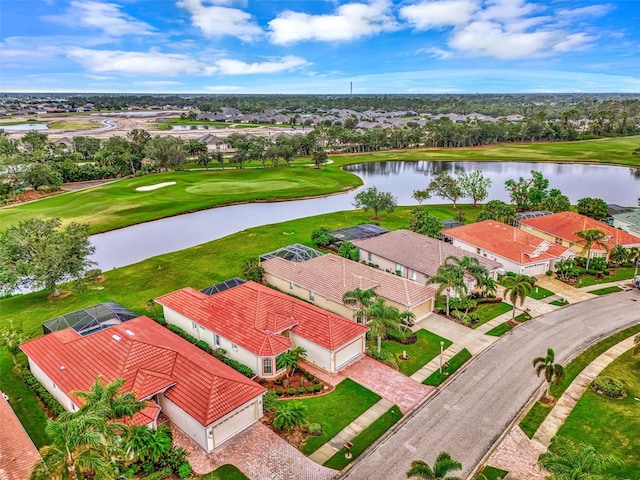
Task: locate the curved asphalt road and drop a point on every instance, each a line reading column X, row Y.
column 469, row 415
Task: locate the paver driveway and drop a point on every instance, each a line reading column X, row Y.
column 470, row 413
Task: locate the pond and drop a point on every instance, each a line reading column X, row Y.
column 24, row 127
column 133, row 244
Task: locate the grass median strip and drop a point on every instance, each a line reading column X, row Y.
column 499, row 330
column 606, row 290
column 455, row 362
column 362, row 441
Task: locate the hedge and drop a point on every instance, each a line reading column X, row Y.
column 159, row 475
column 35, row 385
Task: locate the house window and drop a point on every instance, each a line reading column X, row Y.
column 368, row 256
column 414, row 275
column 312, row 296
column 558, row 240
column 290, row 285
column 267, row 366
column 55, row 387
column 194, row 325
column 478, row 250
column 234, row 347
column 216, row 339
column 399, row 269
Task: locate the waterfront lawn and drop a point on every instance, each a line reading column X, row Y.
column 538, row 293
column 225, row 472
column 611, row 425
column 455, row 362
column 539, row 411
column 335, row 411
column 420, row 353
column 489, row 311
column 622, row 273
column 365, row 438
column 606, row 290
column 499, row 330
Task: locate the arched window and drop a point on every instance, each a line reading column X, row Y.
column 267, row 366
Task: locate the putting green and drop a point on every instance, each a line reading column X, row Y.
column 231, row 188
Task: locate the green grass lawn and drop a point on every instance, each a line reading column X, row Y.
column 606, row 290
column 560, row 302
column 365, row 438
column 499, row 330
column 523, row 317
column 455, row 362
column 225, row 472
column 489, row 311
column 492, row 473
column 335, row 411
column 420, row 353
column 23, row 401
column 611, row 425
column 539, row 412
column 623, row 273
column 538, row 293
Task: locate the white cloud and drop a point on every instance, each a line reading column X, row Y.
column 228, row 66
column 218, row 20
column 444, row 13
column 134, row 63
column 590, row 11
column 350, row 21
column 106, row 17
column 573, row 42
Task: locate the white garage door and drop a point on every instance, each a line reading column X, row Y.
column 347, row 354
column 234, row 424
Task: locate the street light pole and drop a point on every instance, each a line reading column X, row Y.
column 441, row 348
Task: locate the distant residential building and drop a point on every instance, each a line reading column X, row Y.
column 629, row 222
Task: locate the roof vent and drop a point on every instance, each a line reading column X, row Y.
column 62, row 367
column 129, row 332
column 117, row 338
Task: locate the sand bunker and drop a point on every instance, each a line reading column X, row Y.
column 154, row 187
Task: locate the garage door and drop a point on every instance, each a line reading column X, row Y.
column 347, row 354
column 423, row 309
column 234, row 424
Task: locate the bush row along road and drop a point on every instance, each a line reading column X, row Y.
column 470, row 413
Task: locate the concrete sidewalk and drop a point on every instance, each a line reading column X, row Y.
column 349, row 432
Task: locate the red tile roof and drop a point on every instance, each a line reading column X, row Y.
column 507, row 241
column 149, row 357
column 18, row 455
column 254, row 316
column 565, row 225
column 331, row 276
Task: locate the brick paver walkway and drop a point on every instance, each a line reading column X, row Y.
column 518, row 455
column 258, row 452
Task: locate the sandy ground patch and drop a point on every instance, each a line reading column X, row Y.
column 148, row 188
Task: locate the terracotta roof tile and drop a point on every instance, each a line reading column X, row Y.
column 417, row 252
column 149, row 357
column 18, row 454
column 254, row 316
column 331, row 276
column 507, row 241
column 565, row 225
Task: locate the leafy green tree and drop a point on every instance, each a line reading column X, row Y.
column 474, row 185
column 42, row 175
column 423, row 222
column 499, row 211
column 553, row 372
column 450, row 278
column 195, row 147
column 319, row 157
column 361, row 300
column 445, row 186
column 595, row 208
column 320, row 236
column 555, row 201
column 516, row 288
column 138, row 139
column 442, row 467
column 12, row 338
column 381, row 319
column 40, row 253
column 591, row 237
column 619, row 254
column 528, row 193
column 252, row 270
column 373, row 199
column 421, row 195
column 568, row 461
column 86, row 147
column 204, row 159
column 565, row 268
column 290, row 415
column 166, row 151
column 347, row 250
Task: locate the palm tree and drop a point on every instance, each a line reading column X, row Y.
column 592, row 237
column 360, row 300
column 143, row 443
column 553, row 372
column 567, row 461
column 634, row 256
column 449, row 277
column 80, row 443
column 443, row 465
column 515, row 288
column 289, row 415
column 471, row 266
column 107, row 400
column 619, row 254
column 289, row 359
column 382, row 318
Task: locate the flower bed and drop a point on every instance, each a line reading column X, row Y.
column 299, row 384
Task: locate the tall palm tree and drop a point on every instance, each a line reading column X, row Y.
column 360, row 300
column 80, row 443
column 107, row 400
column 449, row 278
column 634, row 256
column 289, row 359
column 567, row 461
column 553, row 372
column 516, row 288
column 471, row 266
column 592, row 237
column 443, row 465
column 619, row 254
column 144, row 443
column 382, row 318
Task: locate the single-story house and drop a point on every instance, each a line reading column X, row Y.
column 628, row 221
column 560, row 228
column 324, row 280
column 255, row 324
column 416, row 256
column 517, row 250
column 18, row 454
column 208, row 400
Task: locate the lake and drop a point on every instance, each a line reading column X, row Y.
column 24, row 127
column 133, row 244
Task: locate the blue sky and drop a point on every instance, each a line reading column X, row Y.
column 318, row 47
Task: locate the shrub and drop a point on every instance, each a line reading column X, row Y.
column 291, row 392
column 159, row 475
column 609, row 387
column 181, row 333
column 202, row 345
column 269, row 400
column 310, row 377
column 314, row 429
column 279, row 392
column 302, row 391
column 174, row 458
column 606, row 273
column 92, row 275
column 320, row 236
column 549, row 273
column 252, row 270
column 310, row 389
column 243, row 369
column 184, row 470
column 317, row 387
column 219, row 353
column 384, row 356
column 593, row 272
column 37, row 388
